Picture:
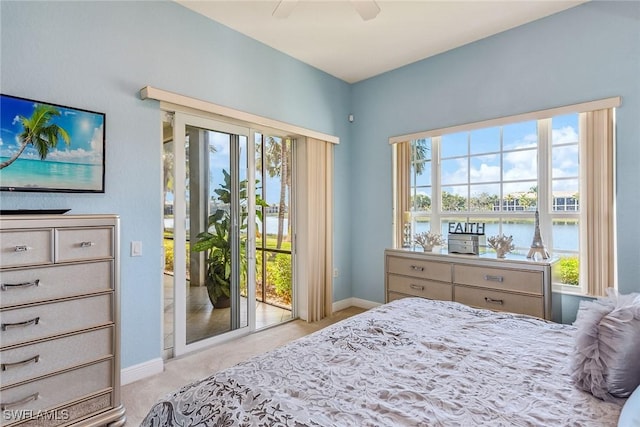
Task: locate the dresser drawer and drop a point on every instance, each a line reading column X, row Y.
column 420, row 268
column 81, row 244
column 499, row 278
column 54, row 391
column 420, row 287
column 500, row 301
column 60, row 281
column 392, row 296
column 31, row 361
column 26, row 247
column 22, row 325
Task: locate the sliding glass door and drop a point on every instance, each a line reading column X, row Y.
column 213, row 205
column 228, row 231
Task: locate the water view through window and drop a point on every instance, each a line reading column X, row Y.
column 501, row 176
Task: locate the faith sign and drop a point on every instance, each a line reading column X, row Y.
column 466, row 228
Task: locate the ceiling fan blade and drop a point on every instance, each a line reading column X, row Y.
column 367, row 9
column 284, row 8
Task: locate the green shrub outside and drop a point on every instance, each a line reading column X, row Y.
column 570, row 271
column 169, row 256
column 279, row 274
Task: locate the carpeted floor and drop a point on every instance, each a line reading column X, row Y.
column 138, row 397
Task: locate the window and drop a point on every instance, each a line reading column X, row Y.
column 501, row 172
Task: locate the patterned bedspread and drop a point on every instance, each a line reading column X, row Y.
column 412, row 362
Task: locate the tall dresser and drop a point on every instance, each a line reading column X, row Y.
column 59, row 321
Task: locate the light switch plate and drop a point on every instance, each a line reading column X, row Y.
column 136, row 248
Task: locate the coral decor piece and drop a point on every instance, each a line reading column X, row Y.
column 501, row 244
column 429, row 240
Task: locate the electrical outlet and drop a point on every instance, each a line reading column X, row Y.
column 335, row 272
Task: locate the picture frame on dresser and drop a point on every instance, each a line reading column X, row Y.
column 49, row 147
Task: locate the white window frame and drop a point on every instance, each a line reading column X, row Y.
column 544, row 179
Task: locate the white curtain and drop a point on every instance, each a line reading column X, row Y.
column 599, row 208
column 315, row 228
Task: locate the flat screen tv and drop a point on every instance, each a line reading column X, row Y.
column 47, row 147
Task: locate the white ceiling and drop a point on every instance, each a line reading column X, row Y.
column 331, row 36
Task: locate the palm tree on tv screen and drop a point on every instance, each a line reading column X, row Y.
column 39, row 132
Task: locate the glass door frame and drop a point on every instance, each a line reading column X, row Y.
column 180, row 122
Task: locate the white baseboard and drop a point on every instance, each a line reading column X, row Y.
column 140, row 371
column 354, row 302
column 363, row 303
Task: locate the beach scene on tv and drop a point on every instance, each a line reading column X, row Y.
column 48, row 147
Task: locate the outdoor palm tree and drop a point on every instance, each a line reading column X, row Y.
column 420, row 150
column 39, row 132
column 277, row 163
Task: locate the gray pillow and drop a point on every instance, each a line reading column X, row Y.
column 606, row 362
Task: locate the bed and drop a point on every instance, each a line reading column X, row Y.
column 411, row 362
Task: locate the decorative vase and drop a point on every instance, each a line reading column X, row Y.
column 427, row 248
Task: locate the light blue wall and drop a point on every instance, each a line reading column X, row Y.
column 97, row 56
column 586, row 53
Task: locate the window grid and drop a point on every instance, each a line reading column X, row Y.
column 511, row 207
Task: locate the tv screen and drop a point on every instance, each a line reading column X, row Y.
column 50, row 148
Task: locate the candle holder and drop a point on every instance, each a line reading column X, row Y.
column 406, row 235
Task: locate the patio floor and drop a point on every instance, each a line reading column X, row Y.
column 205, row 321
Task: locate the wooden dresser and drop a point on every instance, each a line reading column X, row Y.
column 59, row 321
column 515, row 284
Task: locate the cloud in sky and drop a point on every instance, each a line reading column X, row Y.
column 518, row 165
column 78, row 155
column 92, row 155
column 97, row 142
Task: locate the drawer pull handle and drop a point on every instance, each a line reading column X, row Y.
column 493, row 301
column 7, row 286
column 33, row 321
column 21, row 248
column 417, row 268
column 493, row 278
column 416, row 287
column 4, row 406
column 33, row 359
column 87, row 244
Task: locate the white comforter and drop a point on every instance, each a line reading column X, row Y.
column 412, row 362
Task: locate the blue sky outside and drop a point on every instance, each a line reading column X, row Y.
column 85, row 131
column 220, row 160
column 470, row 161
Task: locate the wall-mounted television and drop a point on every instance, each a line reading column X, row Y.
column 47, row 147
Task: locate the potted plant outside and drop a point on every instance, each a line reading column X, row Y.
column 216, row 241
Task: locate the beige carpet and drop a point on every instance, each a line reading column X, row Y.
column 138, row 397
